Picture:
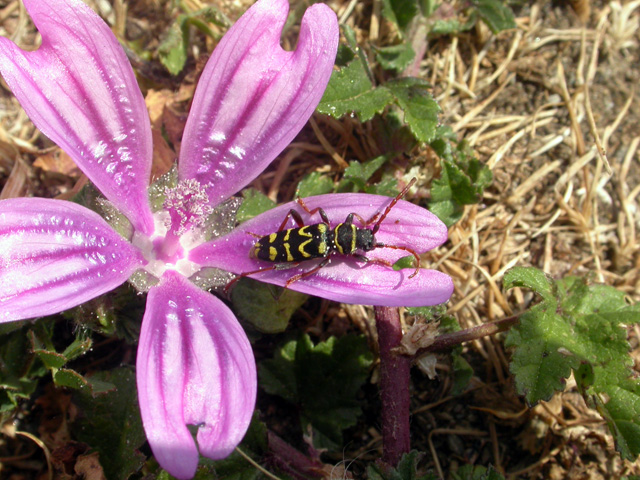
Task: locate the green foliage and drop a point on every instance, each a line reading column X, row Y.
column 400, row 12
column 267, row 307
column 462, row 181
column 495, row 14
column 172, row 50
column 313, row 184
column 40, row 337
column 322, row 381
column 111, row 423
column 476, row 472
column 358, row 174
column 355, row 179
column 351, row 90
column 19, row 368
column 395, row 57
column 253, row 204
column 407, row 469
column 578, row 328
column 419, row 107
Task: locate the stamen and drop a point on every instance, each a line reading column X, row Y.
column 188, row 206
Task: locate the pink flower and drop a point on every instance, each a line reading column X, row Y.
column 194, row 364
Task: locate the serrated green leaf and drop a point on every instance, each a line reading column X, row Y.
column 80, row 345
column 579, row 327
column 476, row 472
column 495, row 14
column 253, row 204
column 420, row 108
column 435, row 312
column 315, row 183
column 446, row 210
column 388, row 186
column 65, row 377
column 462, row 181
column 622, row 413
column 529, row 277
column 111, row 423
column 267, row 307
column 395, row 57
column 278, row 375
column 303, row 373
column 350, row 90
column 407, row 469
column 359, row 173
column 18, row 377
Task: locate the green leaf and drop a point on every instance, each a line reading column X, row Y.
column 302, row 373
column 404, row 262
column 253, row 204
column 446, row 27
column 172, row 51
column 18, row 374
column 462, row 181
column 419, row 107
column 476, row 472
column 495, row 14
column 529, row 277
column 400, row 12
column 278, row 376
column 395, row 57
column 267, row 307
column 579, row 327
column 111, row 423
column 407, row 469
column 351, row 90
column 388, row 186
column 462, row 373
column 359, row 174
column 315, row 183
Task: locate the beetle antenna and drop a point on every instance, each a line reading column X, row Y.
column 404, row 191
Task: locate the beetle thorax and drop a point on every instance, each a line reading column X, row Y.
column 365, row 240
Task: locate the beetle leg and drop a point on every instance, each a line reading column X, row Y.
column 323, row 214
column 406, row 249
column 300, row 276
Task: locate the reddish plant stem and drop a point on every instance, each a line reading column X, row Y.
column 394, row 386
column 293, row 462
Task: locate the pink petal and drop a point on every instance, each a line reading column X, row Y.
column 253, row 97
column 80, row 90
column 195, row 366
column 345, row 279
column 55, row 255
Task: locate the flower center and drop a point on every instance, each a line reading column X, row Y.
column 185, row 221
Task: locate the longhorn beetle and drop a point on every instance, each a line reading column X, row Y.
column 288, row 248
